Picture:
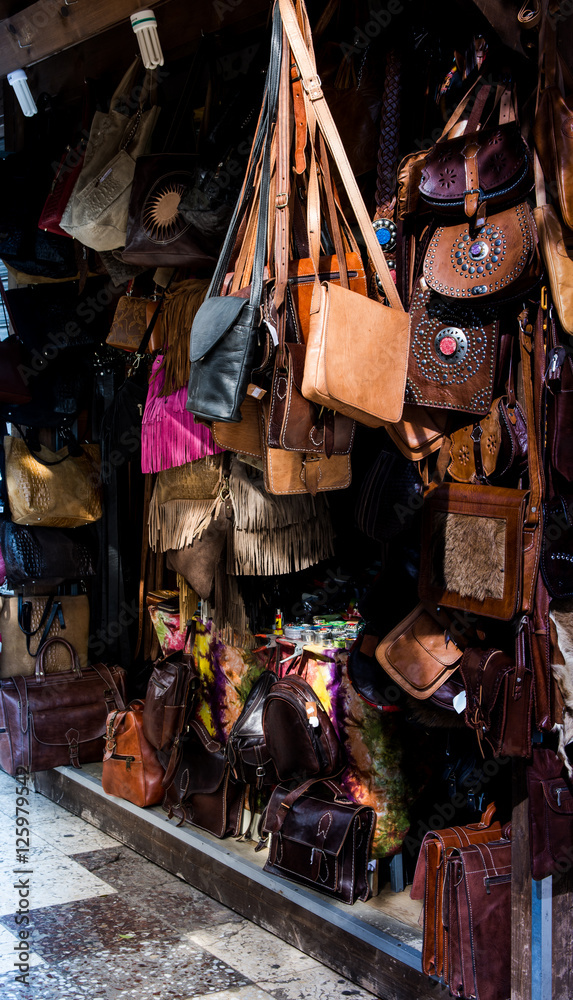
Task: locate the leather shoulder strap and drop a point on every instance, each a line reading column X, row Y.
column 313, row 90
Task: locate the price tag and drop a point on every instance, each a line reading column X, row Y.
column 311, row 713
column 460, row 702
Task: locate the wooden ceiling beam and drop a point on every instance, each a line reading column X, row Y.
column 50, row 26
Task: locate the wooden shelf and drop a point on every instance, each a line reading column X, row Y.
column 376, row 944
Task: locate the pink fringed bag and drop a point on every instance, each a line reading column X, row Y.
column 169, row 435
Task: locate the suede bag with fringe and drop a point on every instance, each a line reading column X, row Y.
column 274, row 534
column 183, row 502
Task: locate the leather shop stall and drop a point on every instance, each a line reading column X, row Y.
column 286, row 536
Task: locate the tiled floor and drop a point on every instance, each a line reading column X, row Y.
column 106, row 924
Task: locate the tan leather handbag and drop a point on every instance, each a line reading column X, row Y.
column 357, row 350
column 26, row 622
column 97, row 211
column 419, row 433
column 54, row 489
column 131, row 769
column 419, row 654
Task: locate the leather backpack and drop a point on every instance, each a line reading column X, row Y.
column 170, row 696
column 298, row 733
column 246, row 749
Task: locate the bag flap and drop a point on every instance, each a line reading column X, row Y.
column 213, row 320
column 297, row 354
column 313, row 822
column 51, row 726
column 558, row 796
column 417, row 655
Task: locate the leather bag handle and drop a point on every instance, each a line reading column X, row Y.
column 40, row 670
column 315, row 98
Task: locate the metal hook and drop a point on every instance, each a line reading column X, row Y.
column 70, row 3
column 13, row 31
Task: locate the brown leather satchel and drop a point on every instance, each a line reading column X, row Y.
column 53, row 719
column 498, row 259
column 170, row 697
column 550, row 792
column 428, row 882
column 419, row 654
column 419, row 433
column 199, row 786
column 498, row 700
column 320, row 838
column 477, row 914
column 290, row 472
column 244, row 437
column 453, row 354
column 131, row 769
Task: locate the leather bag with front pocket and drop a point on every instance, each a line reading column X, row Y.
column 97, row 211
column 496, row 261
column 49, row 720
column 498, row 700
column 477, row 913
column 428, row 881
column 320, row 838
column 170, row 697
column 292, row 472
column 131, row 769
column 200, row 788
column 550, row 793
column 419, row 654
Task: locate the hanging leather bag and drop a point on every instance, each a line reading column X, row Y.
column 53, row 719
column 226, row 331
column 97, row 211
column 363, row 375
column 550, row 794
column 50, row 555
column 54, row 489
column 498, row 701
column 131, row 769
column 419, row 654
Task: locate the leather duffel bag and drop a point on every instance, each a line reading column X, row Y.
column 131, row 769
column 52, row 719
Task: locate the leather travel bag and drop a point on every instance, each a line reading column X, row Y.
column 320, row 838
column 54, row 489
column 550, row 792
column 428, row 882
column 498, row 700
column 477, row 914
column 49, row 720
column 131, row 769
column 199, row 786
column 170, row 697
column 28, row 621
column 299, row 735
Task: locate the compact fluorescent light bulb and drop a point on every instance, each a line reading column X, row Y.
column 144, row 25
column 19, row 81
